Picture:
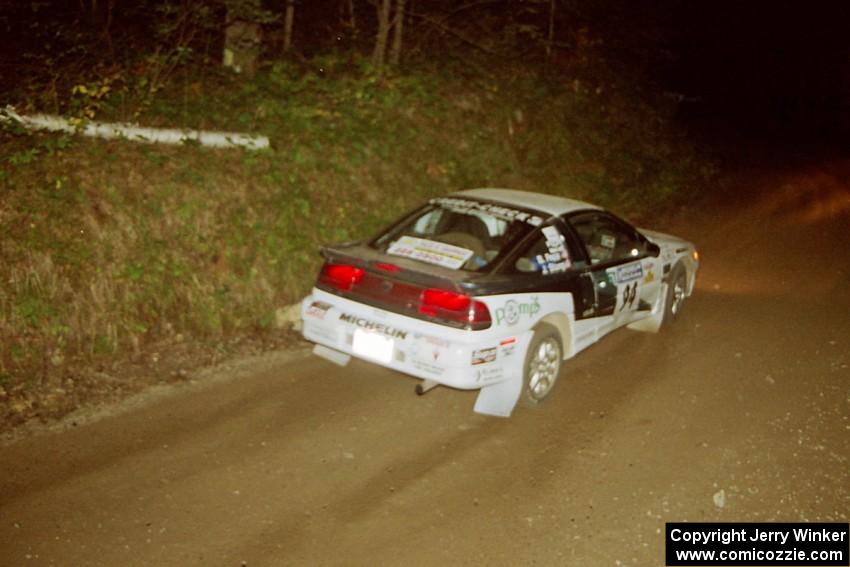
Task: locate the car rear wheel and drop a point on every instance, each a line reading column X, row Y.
column 677, row 289
column 542, row 365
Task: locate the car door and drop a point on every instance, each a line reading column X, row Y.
column 550, row 261
column 620, row 266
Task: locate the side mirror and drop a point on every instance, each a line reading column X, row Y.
column 653, row 249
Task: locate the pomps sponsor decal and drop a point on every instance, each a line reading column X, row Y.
column 372, row 326
column 628, row 273
column 509, row 313
column 439, row 253
column 512, row 311
column 465, row 206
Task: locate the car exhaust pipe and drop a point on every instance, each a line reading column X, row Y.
column 425, row 386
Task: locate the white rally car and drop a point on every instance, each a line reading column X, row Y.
column 491, row 289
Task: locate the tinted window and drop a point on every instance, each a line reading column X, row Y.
column 545, row 254
column 606, row 238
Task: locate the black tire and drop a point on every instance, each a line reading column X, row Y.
column 677, row 289
column 542, row 365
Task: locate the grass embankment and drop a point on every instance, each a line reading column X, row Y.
column 106, row 247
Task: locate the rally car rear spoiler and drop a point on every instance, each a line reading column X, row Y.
column 402, row 285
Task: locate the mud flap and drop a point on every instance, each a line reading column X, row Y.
column 335, row 356
column 652, row 324
column 499, row 399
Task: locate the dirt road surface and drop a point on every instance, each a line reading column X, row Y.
column 741, row 412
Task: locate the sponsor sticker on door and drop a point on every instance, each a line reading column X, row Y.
column 629, row 272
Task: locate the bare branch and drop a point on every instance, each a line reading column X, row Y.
column 447, row 29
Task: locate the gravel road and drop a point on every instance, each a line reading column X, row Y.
column 740, row 412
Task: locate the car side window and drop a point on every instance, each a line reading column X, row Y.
column 428, row 223
column 546, row 253
column 606, row 238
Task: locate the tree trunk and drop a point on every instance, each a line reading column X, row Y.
column 107, row 25
column 346, row 8
column 398, row 29
column 289, row 17
column 94, row 13
column 379, row 55
column 551, row 35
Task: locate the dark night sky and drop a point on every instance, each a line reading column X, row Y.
column 774, row 66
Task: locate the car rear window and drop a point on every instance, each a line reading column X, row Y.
column 457, row 234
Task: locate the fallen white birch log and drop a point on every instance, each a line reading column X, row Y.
column 135, row 133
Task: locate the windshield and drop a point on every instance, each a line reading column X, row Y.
column 457, row 234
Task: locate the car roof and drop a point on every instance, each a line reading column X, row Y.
column 550, row 204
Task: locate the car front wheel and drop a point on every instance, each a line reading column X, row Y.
column 542, row 365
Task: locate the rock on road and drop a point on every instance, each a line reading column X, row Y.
column 740, row 412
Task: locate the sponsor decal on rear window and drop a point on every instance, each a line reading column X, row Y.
column 439, row 253
column 505, row 213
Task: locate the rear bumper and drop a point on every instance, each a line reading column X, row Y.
column 457, row 358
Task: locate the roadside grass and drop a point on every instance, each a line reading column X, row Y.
column 109, row 246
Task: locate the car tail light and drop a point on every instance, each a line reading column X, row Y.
column 453, row 306
column 341, row 276
column 391, row 268
column 433, row 299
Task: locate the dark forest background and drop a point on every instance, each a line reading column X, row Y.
column 780, row 65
